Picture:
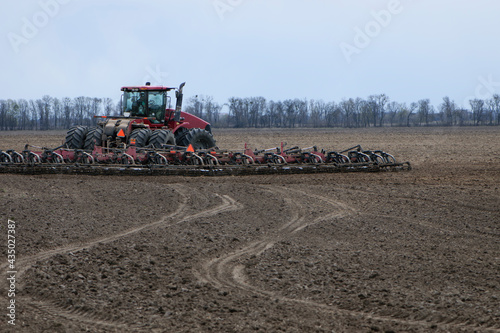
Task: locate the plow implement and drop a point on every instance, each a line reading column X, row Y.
column 188, row 161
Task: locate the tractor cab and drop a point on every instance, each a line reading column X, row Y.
column 146, row 102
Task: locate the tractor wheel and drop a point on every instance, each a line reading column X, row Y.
column 94, row 138
column 162, row 137
column 180, row 137
column 200, row 139
column 75, row 138
column 141, row 136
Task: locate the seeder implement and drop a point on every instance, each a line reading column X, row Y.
column 175, row 160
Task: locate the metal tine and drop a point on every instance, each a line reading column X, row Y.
column 314, row 148
column 265, row 150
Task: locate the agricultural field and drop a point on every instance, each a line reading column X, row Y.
column 412, row 251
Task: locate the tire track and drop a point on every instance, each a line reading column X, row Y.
column 225, row 271
column 89, row 320
column 87, row 316
column 26, row 262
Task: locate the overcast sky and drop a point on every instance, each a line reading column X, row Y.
column 278, row 49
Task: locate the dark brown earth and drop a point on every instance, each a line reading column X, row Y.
column 415, row 251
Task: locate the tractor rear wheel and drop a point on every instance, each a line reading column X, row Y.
column 162, row 137
column 93, row 138
column 180, row 137
column 141, row 136
column 199, row 138
column 75, row 138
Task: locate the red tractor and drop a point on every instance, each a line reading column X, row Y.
column 146, row 120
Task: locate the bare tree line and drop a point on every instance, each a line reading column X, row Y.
column 375, row 111
column 52, row 113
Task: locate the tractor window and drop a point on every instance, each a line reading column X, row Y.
column 135, row 102
column 145, row 104
column 156, row 105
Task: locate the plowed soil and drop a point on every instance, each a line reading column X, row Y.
column 415, row 251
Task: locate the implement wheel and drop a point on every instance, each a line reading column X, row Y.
column 75, row 138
